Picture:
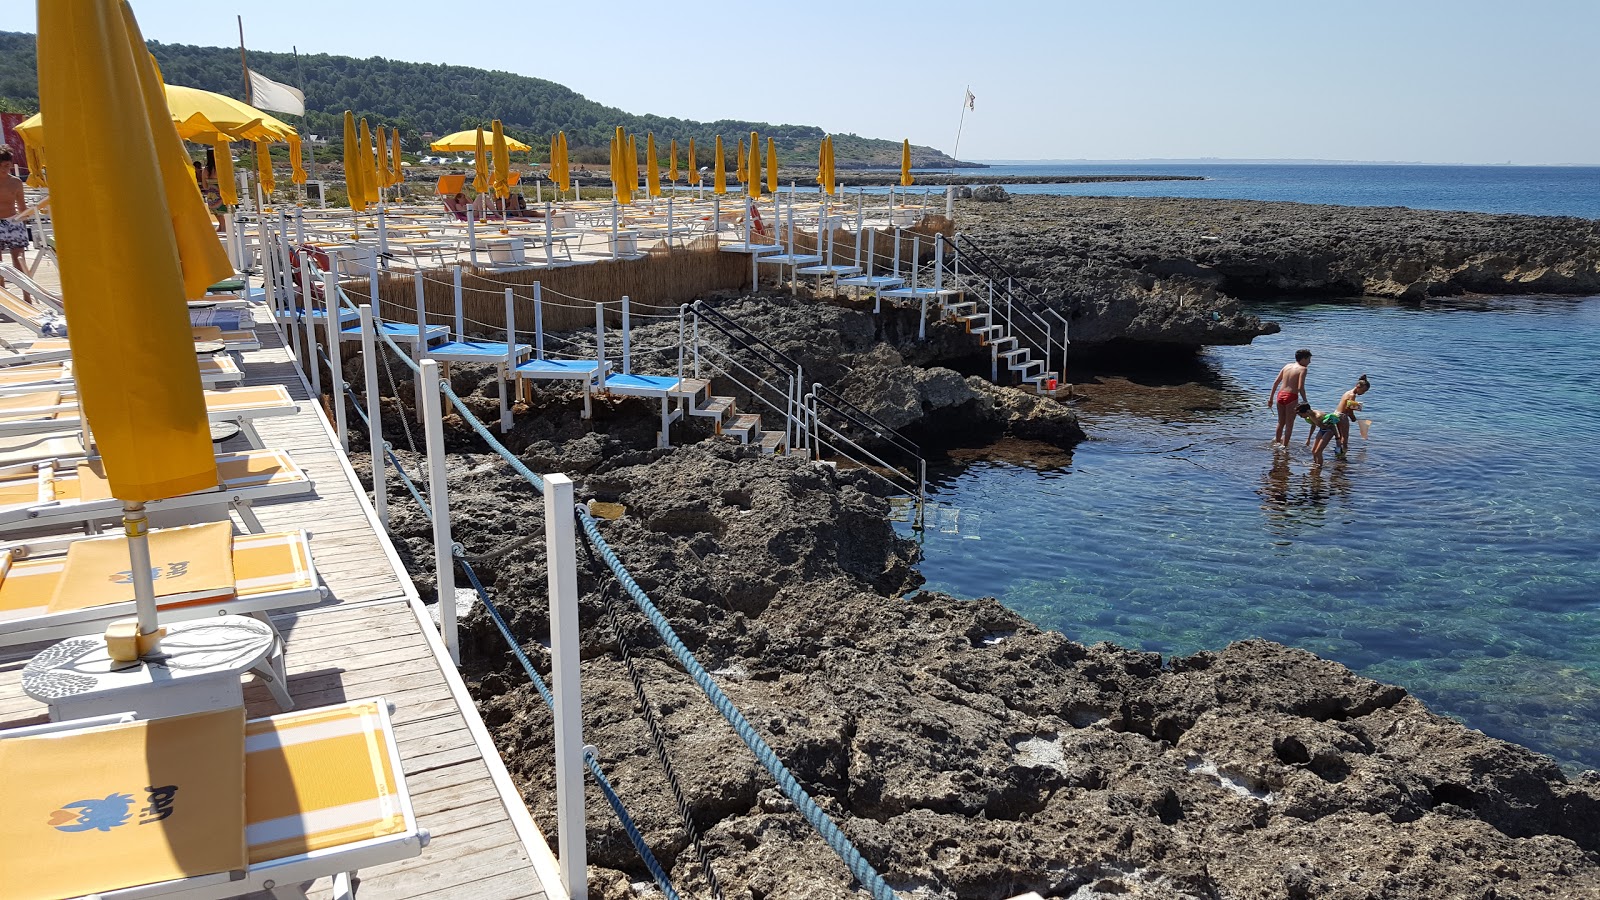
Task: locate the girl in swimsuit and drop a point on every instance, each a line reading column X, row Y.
column 1324, row 428
column 1348, row 406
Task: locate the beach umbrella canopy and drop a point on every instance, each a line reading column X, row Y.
column 200, row 116
column 371, row 190
column 480, row 166
column 561, row 172
column 753, row 168
column 772, row 167
column 672, row 162
column 127, row 274
column 35, row 161
column 352, row 165
column 297, row 162
column 693, row 170
column 227, row 187
column 394, row 155
column 502, row 162
column 264, row 170
column 719, row 177
column 467, row 142
column 652, row 166
column 905, row 163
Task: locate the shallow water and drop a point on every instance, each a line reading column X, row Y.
column 1456, row 552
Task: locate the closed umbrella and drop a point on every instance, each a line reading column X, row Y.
column 719, row 177
column 630, row 162
column 833, row 184
column 297, row 163
column 693, row 170
column 35, row 160
column 772, row 167
column 264, row 170
column 740, row 164
column 480, row 166
column 561, row 174
column 127, row 274
column 822, row 163
column 652, row 168
column 385, row 172
column 672, row 163
column 905, row 163
column 367, row 160
column 502, row 162
column 394, row 155
column 753, row 168
column 352, row 166
column 227, row 189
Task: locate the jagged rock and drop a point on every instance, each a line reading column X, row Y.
column 991, row 193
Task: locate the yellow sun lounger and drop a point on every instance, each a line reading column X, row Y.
column 74, row 492
column 323, row 794
column 54, row 410
column 231, row 340
column 270, row 571
column 215, row 371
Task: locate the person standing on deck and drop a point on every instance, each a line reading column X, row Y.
column 1288, row 392
column 13, row 207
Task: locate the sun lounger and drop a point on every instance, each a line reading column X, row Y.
column 233, row 341
column 271, row 571
column 215, row 371
column 323, row 794
column 55, row 410
column 74, row 492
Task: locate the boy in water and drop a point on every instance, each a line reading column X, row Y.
column 1289, row 389
column 1324, row 427
column 1348, row 406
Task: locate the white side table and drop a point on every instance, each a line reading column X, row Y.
column 197, row 667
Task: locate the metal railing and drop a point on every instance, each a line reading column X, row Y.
column 1034, row 323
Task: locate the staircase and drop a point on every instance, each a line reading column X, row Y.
column 1005, row 348
column 696, row 399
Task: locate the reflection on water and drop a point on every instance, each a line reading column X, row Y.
column 1451, row 552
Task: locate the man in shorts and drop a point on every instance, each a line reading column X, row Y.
column 13, row 233
column 1288, row 392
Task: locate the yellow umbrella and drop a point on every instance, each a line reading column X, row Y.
column 833, row 184
column 719, row 177
column 35, row 161
column 264, row 170
column 380, row 138
column 672, row 163
column 372, row 188
column 227, row 189
column 652, row 167
column 616, row 177
column 480, row 167
column 558, row 163
column 200, row 117
column 502, row 162
column 467, row 141
column 822, row 163
column 352, row 166
column 137, row 379
column 753, row 168
column 741, row 167
column 905, row 163
column 692, row 170
column 394, row 156
column 297, row 162
column 772, row 167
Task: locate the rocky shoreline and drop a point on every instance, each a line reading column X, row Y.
column 936, row 179
column 965, row 752
column 1148, row 273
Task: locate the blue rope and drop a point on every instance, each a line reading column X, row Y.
column 388, row 450
column 590, row 762
column 791, row 788
column 483, row 432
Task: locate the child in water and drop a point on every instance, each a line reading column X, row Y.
column 1324, row 428
column 1348, row 406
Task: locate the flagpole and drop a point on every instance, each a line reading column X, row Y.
column 959, row 125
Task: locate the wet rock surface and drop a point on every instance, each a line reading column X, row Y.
column 965, row 752
column 1156, row 272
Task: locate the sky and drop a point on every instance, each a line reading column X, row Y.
column 1464, row 81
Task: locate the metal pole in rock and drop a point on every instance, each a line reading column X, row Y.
column 439, row 498
column 369, row 367
column 561, row 552
column 950, row 203
column 330, row 297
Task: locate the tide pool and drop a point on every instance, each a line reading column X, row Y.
column 1456, row 552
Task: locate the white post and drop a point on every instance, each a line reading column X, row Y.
column 615, row 217
column 938, row 264
column 561, row 554
column 299, row 226
column 627, row 340
column 538, row 322
column 302, row 338
column 950, row 203
column 549, row 250
column 269, row 268
column 369, row 366
column 330, row 297
column 600, row 345
column 228, row 242
column 511, row 361
column 439, row 499
column 460, row 317
column 383, row 240
column 312, row 363
column 669, row 218
column 472, row 235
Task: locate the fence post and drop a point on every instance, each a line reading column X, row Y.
column 510, row 369
column 301, row 338
column 950, row 203
column 313, row 353
column 561, row 555
column 333, row 311
column 439, row 499
column 369, row 366
column 472, row 235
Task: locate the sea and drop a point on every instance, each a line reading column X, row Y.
column 1455, row 551
column 1532, row 190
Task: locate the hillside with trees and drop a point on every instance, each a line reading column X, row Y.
column 424, row 97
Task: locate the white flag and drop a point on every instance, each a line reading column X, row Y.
column 972, row 102
column 270, row 95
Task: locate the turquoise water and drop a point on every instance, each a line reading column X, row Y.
column 1533, row 190
column 1456, row 552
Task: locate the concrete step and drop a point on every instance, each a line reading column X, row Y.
column 1004, row 340
column 773, row 441
column 1011, row 355
column 744, row 427
column 1027, row 365
column 689, row 388
column 717, row 408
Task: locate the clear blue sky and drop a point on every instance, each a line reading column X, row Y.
column 1414, row 80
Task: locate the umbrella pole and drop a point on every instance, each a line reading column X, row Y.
column 136, row 526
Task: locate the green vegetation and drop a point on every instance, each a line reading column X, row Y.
column 422, row 97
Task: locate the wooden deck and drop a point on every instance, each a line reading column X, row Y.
column 374, row 638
